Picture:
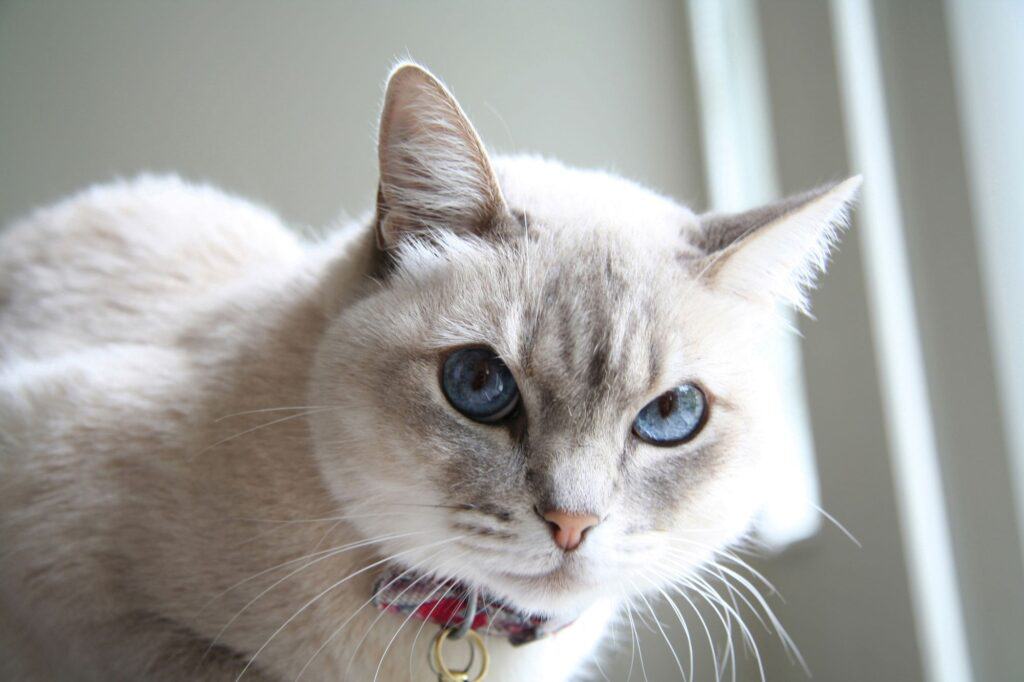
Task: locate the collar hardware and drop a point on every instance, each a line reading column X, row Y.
column 446, row 674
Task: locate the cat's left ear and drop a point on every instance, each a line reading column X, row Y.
column 775, row 252
column 434, row 171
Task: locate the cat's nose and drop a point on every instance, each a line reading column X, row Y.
column 568, row 530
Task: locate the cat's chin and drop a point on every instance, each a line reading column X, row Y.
column 567, row 589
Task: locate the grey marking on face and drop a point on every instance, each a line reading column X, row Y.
column 599, row 365
column 628, row 448
column 483, row 531
column 485, row 471
column 503, row 515
column 567, row 336
column 667, row 487
column 654, row 361
column 584, row 320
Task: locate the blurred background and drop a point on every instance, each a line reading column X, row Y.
column 906, row 394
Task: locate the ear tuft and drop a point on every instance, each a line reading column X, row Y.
column 776, row 252
column 434, row 171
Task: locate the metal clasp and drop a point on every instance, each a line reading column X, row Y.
column 446, row 674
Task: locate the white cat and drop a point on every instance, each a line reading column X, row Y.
column 540, row 384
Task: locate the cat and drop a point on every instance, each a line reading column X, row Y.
column 539, row 383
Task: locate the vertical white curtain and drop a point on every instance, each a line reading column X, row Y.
column 988, row 53
column 925, row 524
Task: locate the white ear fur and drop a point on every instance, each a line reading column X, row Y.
column 777, row 251
column 434, row 171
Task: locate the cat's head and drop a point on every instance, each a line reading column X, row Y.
column 559, row 368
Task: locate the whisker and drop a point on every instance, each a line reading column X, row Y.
column 283, row 525
column 257, row 428
column 636, row 636
column 278, row 409
column 426, row 619
column 747, row 635
column 682, row 622
column 457, row 507
column 352, row 545
column 714, row 569
column 326, row 534
column 783, row 634
column 730, row 644
column 329, row 589
column 749, row 641
column 596, row 660
column 835, row 522
column 369, row 601
column 497, row 615
column 326, row 555
column 731, row 556
column 711, row 596
column 380, row 663
column 376, row 620
column 262, row 534
column 733, row 593
column 632, row 641
column 700, row 617
column 321, row 519
column 772, row 590
column 664, row 636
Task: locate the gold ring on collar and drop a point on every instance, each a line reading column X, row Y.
column 446, row 674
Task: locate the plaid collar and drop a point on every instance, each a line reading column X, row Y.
column 444, row 602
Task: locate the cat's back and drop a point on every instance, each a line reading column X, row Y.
column 118, row 308
column 126, row 262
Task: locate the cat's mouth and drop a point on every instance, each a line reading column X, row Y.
column 454, row 604
column 567, row 571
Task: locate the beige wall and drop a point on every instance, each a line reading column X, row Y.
column 278, row 100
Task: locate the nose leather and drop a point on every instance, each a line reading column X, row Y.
column 567, row 529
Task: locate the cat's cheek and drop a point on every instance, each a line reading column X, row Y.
column 724, row 506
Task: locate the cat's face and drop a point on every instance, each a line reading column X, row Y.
column 555, row 390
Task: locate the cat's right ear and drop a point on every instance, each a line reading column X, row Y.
column 434, row 171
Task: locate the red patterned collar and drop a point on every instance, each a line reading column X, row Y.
column 445, row 602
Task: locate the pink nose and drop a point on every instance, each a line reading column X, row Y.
column 569, row 529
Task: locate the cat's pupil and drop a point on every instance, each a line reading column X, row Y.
column 481, row 376
column 667, row 403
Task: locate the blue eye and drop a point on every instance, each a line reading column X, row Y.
column 479, row 385
column 672, row 418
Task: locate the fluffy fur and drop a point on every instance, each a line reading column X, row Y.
column 212, row 433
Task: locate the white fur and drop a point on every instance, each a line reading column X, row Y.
column 191, row 396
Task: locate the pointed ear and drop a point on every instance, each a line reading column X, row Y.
column 775, row 252
column 434, row 172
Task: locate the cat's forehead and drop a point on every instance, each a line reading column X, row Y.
column 587, row 305
column 593, row 325
column 571, row 199
column 595, row 322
